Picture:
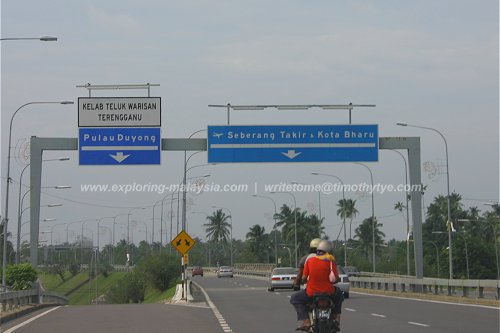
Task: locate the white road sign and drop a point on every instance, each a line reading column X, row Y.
column 119, row 111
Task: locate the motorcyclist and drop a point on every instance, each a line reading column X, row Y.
column 316, row 272
column 313, row 245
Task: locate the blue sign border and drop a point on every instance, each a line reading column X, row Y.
column 128, row 145
column 292, row 143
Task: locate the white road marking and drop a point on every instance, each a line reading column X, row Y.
column 418, row 324
column 427, row 300
column 222, row 322
column 378, row 315
column 10, row 330
column 349, row 309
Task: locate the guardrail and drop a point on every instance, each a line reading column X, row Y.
column 12, row 300
column 401, row 283
column 429, row 285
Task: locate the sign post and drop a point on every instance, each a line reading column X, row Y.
column 183, row 243
column 119, row 130
column 292, row 143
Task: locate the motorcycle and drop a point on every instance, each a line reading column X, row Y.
column 322, row 316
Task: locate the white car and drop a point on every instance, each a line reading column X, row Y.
column 344, row 283
column 282, row 277
column 225, row 271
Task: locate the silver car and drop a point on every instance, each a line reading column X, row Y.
column 344, row 283
column 282, row 277
column 225, row 271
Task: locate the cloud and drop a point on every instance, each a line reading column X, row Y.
column 114, row 23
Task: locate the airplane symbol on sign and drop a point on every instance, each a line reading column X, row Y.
column 217, row 135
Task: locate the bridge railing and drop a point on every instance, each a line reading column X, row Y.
column 12, row 300
column 468, row 288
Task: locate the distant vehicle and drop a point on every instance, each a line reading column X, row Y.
column 283, row 277
column 197, row 270
column 344, row 283
column 352, row 271
column 225, row 271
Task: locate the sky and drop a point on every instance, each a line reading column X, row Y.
column 427, row 63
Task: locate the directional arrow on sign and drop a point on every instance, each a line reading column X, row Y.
column 291, row 154
column 119, row 157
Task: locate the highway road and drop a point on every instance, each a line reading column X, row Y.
column 244, row 305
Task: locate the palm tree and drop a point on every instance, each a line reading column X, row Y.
column 257, row 238
column 218, row 229
column 364, row 233
column 286, row 219
column 347, row 209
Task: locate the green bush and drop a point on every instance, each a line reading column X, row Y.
column 74, row 269
column 130, row 289
column 21, row 277
column 105, row 269
column 160, row 270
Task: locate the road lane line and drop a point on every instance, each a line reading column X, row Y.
column 222, row 322
column 12, row 329
column 349, row 309
column 418, row 324
column 427, row 300
column 378, row 315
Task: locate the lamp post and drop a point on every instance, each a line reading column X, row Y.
column 466, row 251
column 437, row 255
column 208, row 241
column 407, row 214
column 289, row 253
column 295, row 224
column 128, row 226
column 113, row 242
column 19, row 205
column 6, row 215
column 42, row 39
column 494, row 237
column 448, row 223
column 373, row 215
column 231, row 234
column 274, row 226
column 343, row 199
column 186, row 160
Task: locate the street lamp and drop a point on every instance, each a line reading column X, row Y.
column 466, row 251
column 128, row 226
column 289, row 253
column 274, row 226
column 295, row 224
column 448, row 223
column 407, row 213
column 43, row 38
column 437, row 255
column 186, row 160
column 19, row 205
column 494, row 237
column 373, row 215
column 343, row 199
column 231, row 235
column 6, row 215
column 208, row 241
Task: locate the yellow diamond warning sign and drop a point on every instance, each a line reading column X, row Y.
column 183, row 242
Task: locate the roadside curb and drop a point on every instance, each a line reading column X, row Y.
column 22, row 312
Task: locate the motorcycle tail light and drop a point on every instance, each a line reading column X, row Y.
column 323, row 303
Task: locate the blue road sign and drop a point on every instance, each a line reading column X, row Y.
column 115, row 146
column 292, row 143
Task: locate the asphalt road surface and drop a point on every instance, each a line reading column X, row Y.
column 244, row 305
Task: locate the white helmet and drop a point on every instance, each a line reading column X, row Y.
column 325, row 246
column 314, row 243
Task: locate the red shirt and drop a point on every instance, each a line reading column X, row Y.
column 317, row 269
